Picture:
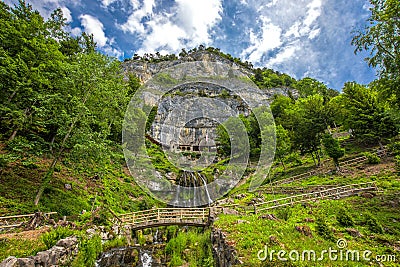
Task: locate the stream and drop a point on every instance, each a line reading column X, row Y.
column 131, row 256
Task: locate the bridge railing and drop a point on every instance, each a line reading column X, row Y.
column 328, row 193
column 166, row 216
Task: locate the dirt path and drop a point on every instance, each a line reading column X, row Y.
column 28, row 235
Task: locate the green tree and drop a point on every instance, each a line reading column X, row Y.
column 367, row 118
column 87, row 122
column 308, row 120
column 309, row 86
column 381, row 38
column 333, row 149
column 279, row 104
column 283, row 144
column 29, row 70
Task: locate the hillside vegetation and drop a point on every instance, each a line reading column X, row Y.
column 62, row 104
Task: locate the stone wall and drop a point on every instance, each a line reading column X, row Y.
column 60, row 254
column 224, row 254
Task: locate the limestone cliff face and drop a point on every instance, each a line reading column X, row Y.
column 145, row 70
column 183, row 121
column 187, row 118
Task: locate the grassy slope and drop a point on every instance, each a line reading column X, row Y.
column 99, row 186
column 251, row 237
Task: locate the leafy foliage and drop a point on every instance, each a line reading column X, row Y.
column 367, row 118
column 344, row 218
column 88, row 250
column 372, row 158
column 333, row 148
column 373, row 224
column 52, row 237
column 381, row 38
column 323, row 229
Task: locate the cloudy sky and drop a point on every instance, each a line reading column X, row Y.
column 299, row 37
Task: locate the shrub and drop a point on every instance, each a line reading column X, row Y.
column 324, row 230
column 397, row 163
column 373, row 224
column 284, row 213
column 177, row 244
column 115, row 243
column 372, row 158
column 344, row 218
column 175, row 260
column 89, row 249
column 51, row 238
column 395, row 148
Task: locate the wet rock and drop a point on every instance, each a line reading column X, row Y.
column 273, row 240
column 354, row 232
column 240, row 196
column 225, row 254
column 68, row 186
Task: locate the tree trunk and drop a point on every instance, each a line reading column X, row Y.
column 14, row 133
column 283, row 164
column 49, row 173
column 312, row 155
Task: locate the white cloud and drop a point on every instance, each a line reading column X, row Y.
column 286, row 27
column 313, row 12
column 134, row 23
column 197, row 18
column 272, row 3
column 314, row 33
column 66, row 13
column 163, row 36
column 285, row 54
column 260, row 45
column 114, row 52
column 76, row 31
column 93, row 25
column 187, row 24
column 106, row 3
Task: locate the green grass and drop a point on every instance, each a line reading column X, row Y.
column 253, row 236
column 103, row 186
column 20, row 247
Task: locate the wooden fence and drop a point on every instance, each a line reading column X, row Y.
column 16, row 221
column 335, row 193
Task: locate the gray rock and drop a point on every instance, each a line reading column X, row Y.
column 60, row 254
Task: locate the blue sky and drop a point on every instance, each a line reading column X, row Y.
column 299, row 37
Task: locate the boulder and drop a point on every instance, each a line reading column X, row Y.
column 354, row 232
column 305, row 230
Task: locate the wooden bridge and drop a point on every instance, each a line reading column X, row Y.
column 165, row 216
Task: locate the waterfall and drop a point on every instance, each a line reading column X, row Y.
column 209, row 200
column 194, row 192
column 145, row 258
column 177, row 195
column 155, row 237
column 192, row 182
